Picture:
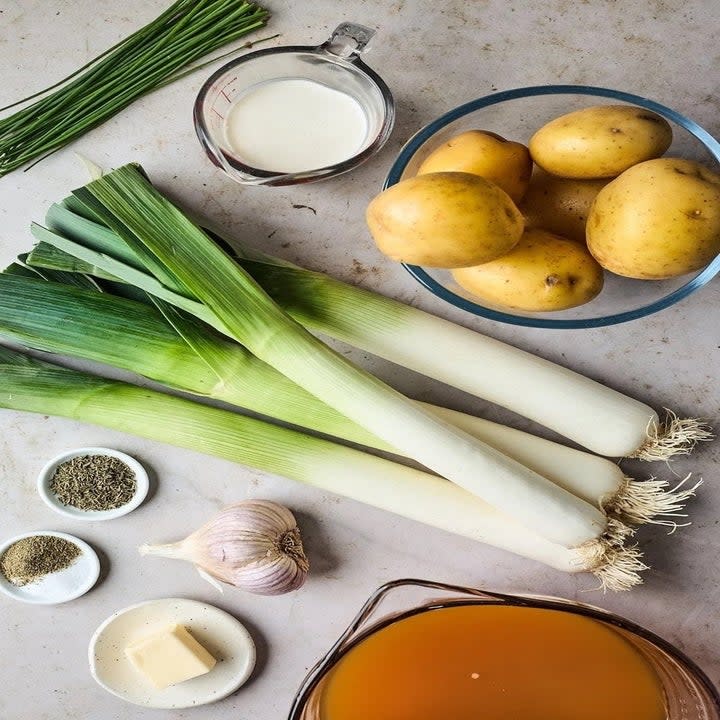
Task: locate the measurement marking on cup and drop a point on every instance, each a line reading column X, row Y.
column 225, row 95
column 222, row 117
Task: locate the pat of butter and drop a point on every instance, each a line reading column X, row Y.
column 170, row 656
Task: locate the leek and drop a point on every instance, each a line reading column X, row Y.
column 66, row 313
column 186, row 268
column 583, row 410
column 33, row 386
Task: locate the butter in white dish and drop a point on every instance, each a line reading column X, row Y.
column 227, row 640
column 170, row 656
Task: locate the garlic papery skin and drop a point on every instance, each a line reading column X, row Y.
column 253, row 544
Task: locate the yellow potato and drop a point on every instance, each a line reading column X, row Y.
column 542, row 273
column 560, row 205
column 506, row 163
column 600, row 141
column 444, row 220
column 659, row 219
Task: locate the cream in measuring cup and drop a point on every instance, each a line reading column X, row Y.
column 295, row 114
column 294, row 125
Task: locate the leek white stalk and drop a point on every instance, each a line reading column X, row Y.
column 173, row 348
column 189, row 269
column 33, row 386
column 253, row 544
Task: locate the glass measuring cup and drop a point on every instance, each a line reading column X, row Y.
column 689, row 694
column 335, row 64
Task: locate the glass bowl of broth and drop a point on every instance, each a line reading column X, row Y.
column 420, row 650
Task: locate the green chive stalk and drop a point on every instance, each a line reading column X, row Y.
column 149, row 58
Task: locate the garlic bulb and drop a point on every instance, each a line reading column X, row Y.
column 254, row 545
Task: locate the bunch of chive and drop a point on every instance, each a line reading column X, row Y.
column 142, row 62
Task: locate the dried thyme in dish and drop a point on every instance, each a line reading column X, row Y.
column 93, row 482
column 32, row 558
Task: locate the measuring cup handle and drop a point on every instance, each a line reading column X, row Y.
column 348, row 39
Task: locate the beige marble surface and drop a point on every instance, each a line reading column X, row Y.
column 434, row 56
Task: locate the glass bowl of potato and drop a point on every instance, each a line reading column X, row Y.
column 556, row 206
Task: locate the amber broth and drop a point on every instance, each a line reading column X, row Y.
column 488, row 662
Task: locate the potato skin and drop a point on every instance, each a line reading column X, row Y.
column 657, row 220
column 444, row 220
column 542, row 273
column 560, row 205
column 600, row 141
column 480, row 152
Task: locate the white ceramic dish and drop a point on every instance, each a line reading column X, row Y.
column 141, row 487
column 58, row 587
column 224, row 636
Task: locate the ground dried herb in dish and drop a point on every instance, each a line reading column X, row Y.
column 32, row 558
column 93, row 482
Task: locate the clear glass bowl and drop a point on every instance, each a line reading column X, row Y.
column 689, row 694
column 516, row 115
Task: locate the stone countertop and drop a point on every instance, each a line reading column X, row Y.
column 434, row 56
